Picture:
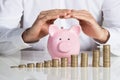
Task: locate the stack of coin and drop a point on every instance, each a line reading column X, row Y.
column 13, row 66
column 22, row 66
column 84, row 60
column 39, row 65
column 64, row 62
column 30, row 65
column 55, row 62
column 74, row 60
column 96, row 58
column 106, row 55
column 47, row 63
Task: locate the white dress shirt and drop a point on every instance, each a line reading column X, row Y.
column 106, row 13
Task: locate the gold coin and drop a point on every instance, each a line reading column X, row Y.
column 64, row 62
column 30, row 65
column 39, row 65
column 84, row 60
column 47, row 63
column 22, row 66
column 13, row 66
column 55, row 62
column 74, row 60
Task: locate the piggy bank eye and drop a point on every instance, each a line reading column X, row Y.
column 68, row 38
column 60, row 38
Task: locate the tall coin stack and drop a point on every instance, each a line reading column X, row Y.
column 96, row 58
column 106, row 55
column 64, row 62
column 84, row 60
column 74, row 60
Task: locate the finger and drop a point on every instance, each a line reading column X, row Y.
column 51, row 21
column 63, row 13
column 81, row 17
column 44, row 13
column 41, row 16
column 56, row 11
column 80, row 12
column 50, row 18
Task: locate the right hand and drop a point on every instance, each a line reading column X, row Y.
column 40, row 27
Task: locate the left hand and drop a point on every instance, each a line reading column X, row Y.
column 41, row 25
column 89, row 25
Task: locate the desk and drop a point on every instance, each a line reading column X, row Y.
column 24, row 57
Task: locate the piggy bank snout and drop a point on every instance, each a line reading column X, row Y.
column 64, row 47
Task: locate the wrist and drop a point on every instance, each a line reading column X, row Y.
column 103, row 36
column 27, row 37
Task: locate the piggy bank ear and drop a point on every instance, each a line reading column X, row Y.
column 76, row 29
column 52, row 29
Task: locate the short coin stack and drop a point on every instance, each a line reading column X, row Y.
column 30, row 65
column 74, row 60
column 106, row 55
column 39, row 65
column 84, row 60
column 13, row 66
column 22, row 66
column 55, row 62
column 64, row 62
column 96, row 58
column 48, row 63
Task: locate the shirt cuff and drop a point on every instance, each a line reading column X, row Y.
column 113, row 41
column 16, row 38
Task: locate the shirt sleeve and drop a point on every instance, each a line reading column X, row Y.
column 111, row 17
column 10, row 31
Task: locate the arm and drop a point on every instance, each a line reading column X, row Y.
column 10, row 31
column 111, row 15
column 109, row 33
column 13, row 38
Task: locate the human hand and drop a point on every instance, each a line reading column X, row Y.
column 89, row 25
column 40, row 27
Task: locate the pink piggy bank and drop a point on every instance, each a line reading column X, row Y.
column 63, row 42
